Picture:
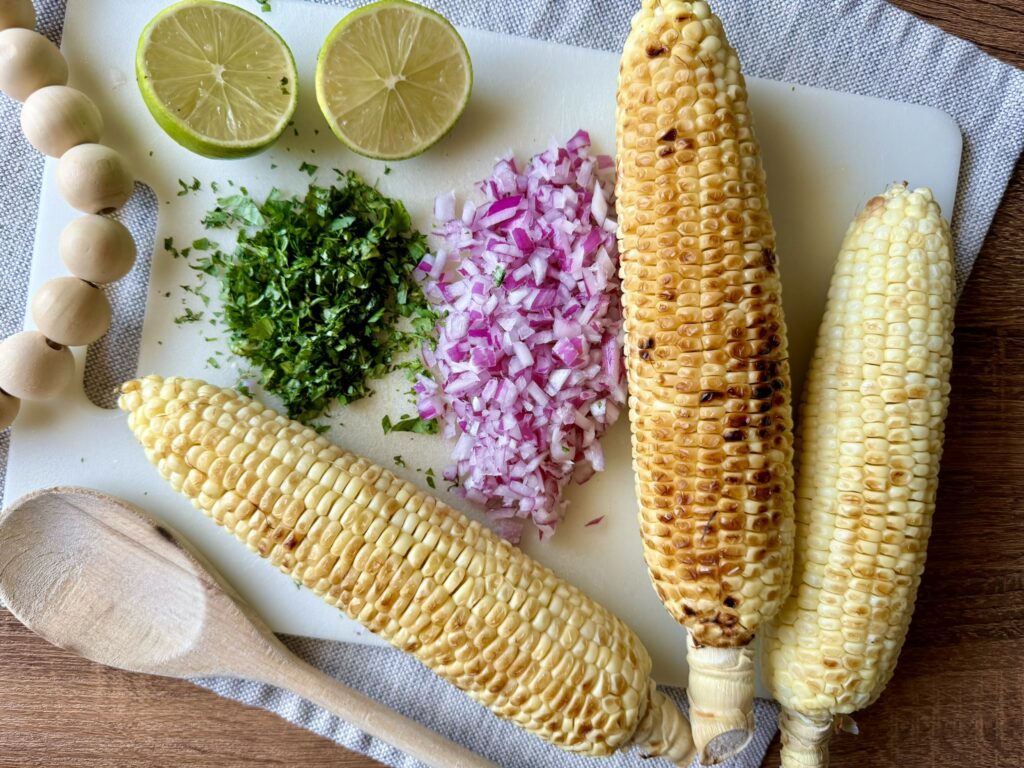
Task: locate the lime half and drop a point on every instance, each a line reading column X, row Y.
column 392, row 79
column 217, row 79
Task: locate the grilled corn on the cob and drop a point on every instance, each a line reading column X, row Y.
column 706, row 353
column 470, row 606
column 871, row 437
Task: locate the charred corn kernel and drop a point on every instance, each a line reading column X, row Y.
column 706, row 353
column 470, row 606
column 871, row 434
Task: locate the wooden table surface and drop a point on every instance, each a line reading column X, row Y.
column 958, row 695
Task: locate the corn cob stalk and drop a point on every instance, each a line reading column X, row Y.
column 706, row 354
column 470, row 606
column 871, row 437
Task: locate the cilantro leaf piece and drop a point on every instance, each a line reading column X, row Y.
column 410, row 424
column 189, row 316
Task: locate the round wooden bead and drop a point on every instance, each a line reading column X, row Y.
column 97, row 249
column 94, row 178
column 17, row 13
column 28, row 62
column 34, row 368
column 71, row 312
column 9, row 407
column 57, row 118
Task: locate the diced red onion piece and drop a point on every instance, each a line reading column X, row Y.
column 527, row 369
column 599, row 206
column 444, row 207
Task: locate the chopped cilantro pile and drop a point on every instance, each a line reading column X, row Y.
column 316, row 287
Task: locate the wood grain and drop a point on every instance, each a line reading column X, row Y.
column 81, row 554
column 958, row 694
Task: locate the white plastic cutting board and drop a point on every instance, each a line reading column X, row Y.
column 826, row 154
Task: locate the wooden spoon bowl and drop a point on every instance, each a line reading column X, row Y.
column 99, row 577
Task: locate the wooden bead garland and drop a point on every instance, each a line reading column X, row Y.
column 70, row 311
column 34, row 368
column 64, row 123
column 97, row 249
column 94, row 178
column 17, row 13
column 28, row 62
column 9, row 407
column 57, row 118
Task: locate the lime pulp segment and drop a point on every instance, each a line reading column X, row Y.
column 217, row 79
column 392, row 79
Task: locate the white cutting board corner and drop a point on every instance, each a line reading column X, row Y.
column 825, row 153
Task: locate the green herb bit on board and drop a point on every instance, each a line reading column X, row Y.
column 409, row 424
column 185, row 187
column 189, row 316
column 316, row 287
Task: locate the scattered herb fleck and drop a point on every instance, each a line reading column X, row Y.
column 387, row 170
column 399, row 461
column 499, row 277
column 214, row 186
column 198, row 291
column 236, row 210
column 195, row 186
column 169, row 247
column 202, row 244
column 308, row 168
column 189, row 316
column 409, row 424
column 429, row 475
column 213, row 362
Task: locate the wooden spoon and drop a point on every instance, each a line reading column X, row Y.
column 97, row 576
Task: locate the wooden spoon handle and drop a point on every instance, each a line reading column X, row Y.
column 370, row 716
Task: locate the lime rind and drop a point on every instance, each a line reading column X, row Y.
column 323, row 85
column 177, row 128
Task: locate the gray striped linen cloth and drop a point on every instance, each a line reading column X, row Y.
column 845, row 45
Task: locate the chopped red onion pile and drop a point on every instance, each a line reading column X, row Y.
column 527, row 371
